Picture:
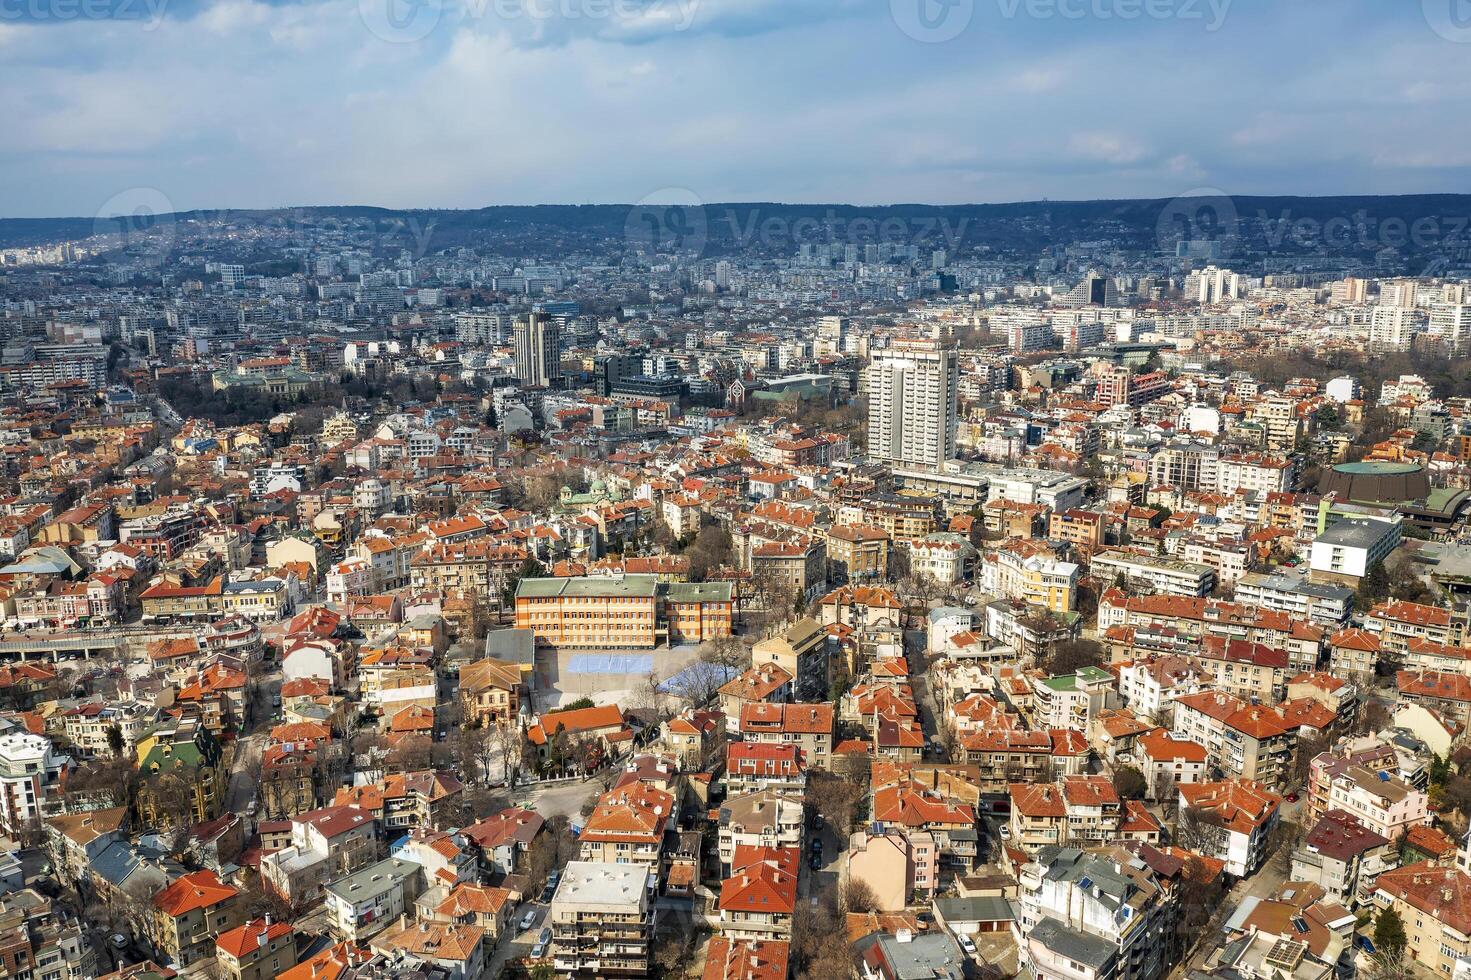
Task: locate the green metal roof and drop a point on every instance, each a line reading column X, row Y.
column 591, row 587
column 699, row 591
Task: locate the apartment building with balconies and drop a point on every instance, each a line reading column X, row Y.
column 602, row 919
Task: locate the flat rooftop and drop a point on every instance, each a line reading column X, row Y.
column 602, row 883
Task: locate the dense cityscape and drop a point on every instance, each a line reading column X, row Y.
column 1072, row 591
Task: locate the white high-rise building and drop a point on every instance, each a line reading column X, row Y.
column 1392, row 328
column 1398, row 292
column 538, row 350
column 1214, row 285
column 1453, row 322
column 911, row 403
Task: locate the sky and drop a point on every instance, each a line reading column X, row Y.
column 467, row 103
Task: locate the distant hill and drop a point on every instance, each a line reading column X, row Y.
column 1259, row 221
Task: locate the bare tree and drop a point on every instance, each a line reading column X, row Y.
column 858, row 896
column 1200, row 830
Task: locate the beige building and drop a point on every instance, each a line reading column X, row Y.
column 602, row 920
column 258, row 950
column 1434, row 903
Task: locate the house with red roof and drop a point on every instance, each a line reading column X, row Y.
column 190, row 914
column 258, row 950
column 1233, row 819
column 746, row 959
column 759, row 898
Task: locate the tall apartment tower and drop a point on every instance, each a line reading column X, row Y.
column 911, row 403
column 538, row 350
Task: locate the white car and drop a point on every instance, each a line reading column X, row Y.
column 1005, row 831
column 529, row 919
column 966, row 943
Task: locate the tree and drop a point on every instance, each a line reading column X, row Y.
column 1199, row 830
column 711, row 549
column 1165, row 791
column 1406, row 582
column 1072, row 655
column 1389, row 933
column 582, row 702
column 1457, row 793
column 1373, row 717
column 833, row 799
column 115, row 740
column 1308, row 748
column 858, row 896
column 1373, row 587
column 1130, row 783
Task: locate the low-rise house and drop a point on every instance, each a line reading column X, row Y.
column 930, row 809
column 766, row 682
column 807, row 726
column 403, row 801
column 1166, row 762
column 504, row 838
column 1233, row 820
column 455, row 951
column 190, row 914
column 1076, row 811
column 1434, row 903
column 627, row 826
column 761, row 819
column 491, row 692
column 746, row 959
column 898, row 865
column 364, row 903
column 325, row 844
column 258, row 950
column 469, row 904
column 759, row 898
column 754, row 766
column 1344, row 857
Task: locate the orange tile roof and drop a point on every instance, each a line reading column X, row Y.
column 197, row 890
column 244, row 940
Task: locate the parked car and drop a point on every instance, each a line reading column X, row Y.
column 966, row 943
column 817, row 845
column 1005, row 832
column 816, row 862
column 542, row 941
column 529, row 919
